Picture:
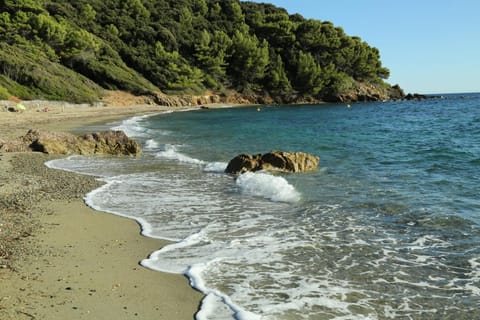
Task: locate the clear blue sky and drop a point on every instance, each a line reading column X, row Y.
column 430, row 46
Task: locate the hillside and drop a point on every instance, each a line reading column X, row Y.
column 73, row 50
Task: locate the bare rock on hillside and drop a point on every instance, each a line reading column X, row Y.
column 275, row 160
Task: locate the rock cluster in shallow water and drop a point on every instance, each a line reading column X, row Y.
column 275, row 160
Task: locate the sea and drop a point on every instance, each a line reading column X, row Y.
column 388, row 227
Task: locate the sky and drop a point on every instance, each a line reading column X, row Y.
column 429, row 46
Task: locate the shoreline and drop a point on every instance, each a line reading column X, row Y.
column 71, row 262
column 59, row 118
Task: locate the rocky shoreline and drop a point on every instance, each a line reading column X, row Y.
column 360, row 92
column 25, row 181
column 110, row 142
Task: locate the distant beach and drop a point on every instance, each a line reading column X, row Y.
column 58, row 258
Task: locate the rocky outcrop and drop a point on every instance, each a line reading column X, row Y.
column 358, row 92
column 368, row 92
column 244, row 163
column 396, row 93
column 184, row 100
column 419, row 97
column 275, row 160
column 107, row 142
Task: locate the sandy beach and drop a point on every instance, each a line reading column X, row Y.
column 61, row 260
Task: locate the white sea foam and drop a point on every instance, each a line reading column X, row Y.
column 132, row 126
column 213, row 308
column 152, row 262
column 170, row 152
column 428, row 241
column 69, row 164
column 474, row 276
column 216, row 304
column 268, row 186
column 77, row 164
column 218, row 167
column 104, row 199
column 151, row 144
column 475, row 265
column 103, row 190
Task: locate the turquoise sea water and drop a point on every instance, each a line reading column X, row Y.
column 387, row 228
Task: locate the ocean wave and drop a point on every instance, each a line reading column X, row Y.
column 132, row 126
column 105, row 199
column 151, row 144
column 152, row 261
column 170, row 152
column 215, row 304
column 268, row 186
column 217, row 167
column 77, row 164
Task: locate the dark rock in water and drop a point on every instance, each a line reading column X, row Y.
column 415, row 96
column 275, row 160
column 107, row 142
column 244, row 163
column 396, row 93
column 289, row 161
column 419, row 97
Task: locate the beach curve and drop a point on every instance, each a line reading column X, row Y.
column 74, row 262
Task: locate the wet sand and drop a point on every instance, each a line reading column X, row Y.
column 61, row 260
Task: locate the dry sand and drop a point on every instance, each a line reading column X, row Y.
column 58, row 118
column 66, row 261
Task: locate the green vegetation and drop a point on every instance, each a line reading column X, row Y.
column 70, row 50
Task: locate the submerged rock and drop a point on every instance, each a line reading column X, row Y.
column 107, row 142
column 275, row 160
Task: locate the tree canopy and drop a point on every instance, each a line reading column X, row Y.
column 186, row 46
